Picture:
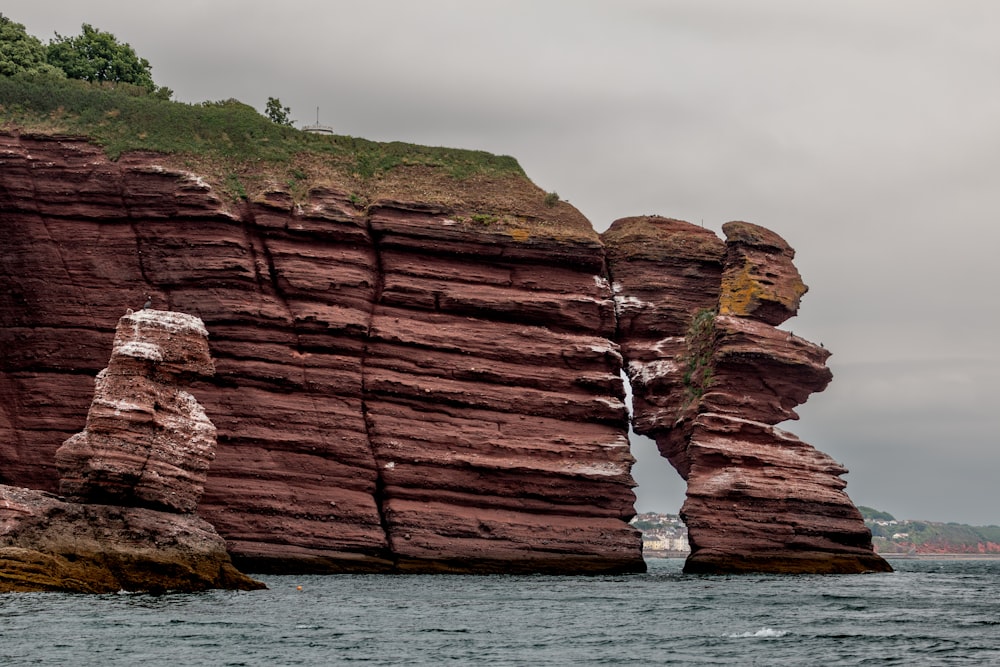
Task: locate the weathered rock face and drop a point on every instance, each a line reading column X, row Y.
column 425, row 383
column 147, row 442
column 711, row 377
column 48, row 544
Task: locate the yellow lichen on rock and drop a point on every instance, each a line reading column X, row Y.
column 758, row 278
column 743, row 291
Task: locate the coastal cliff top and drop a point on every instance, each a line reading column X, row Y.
column 245, row 155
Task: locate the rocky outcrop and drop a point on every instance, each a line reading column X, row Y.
column 418, row 377
column 132, row 479
column 711, row 377
column 48, row 544
column 147, row 442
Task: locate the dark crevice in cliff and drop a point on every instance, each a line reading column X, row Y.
column 623, row 371
column 379, row 493
column 132, row 223
column 259, row 250
column 609, row 276
column 657, row 463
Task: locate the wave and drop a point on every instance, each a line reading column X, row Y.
column 762, row 633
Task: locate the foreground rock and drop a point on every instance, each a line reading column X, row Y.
column 423, row 376
column 48, row 544
column 132, row 479
column 711, row 376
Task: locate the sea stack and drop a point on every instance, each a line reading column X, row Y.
column 711, row 376
column 131, row 479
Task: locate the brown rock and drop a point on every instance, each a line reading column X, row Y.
column 47, row 544
column 709, row 383
column 413, row 353
column 493, row 403
column 759, row 279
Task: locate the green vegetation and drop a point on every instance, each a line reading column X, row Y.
column 484, row 218
column 21, row 53
column 900, row 536
column 700, row 338
column 94, row 86
column 99, row 56
column 870, row 514
column 277, row 113
column 551, row 198
column 94, row 56
column 125, row 117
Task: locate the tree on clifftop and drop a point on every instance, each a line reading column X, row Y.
column 277, row 113
column 99, row 56
column 21, row 52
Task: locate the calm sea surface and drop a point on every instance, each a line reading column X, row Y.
column 928, row 612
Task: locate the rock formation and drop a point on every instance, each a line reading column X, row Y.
column 48, row 544
column 423, row 378
column 147, row 442
column 711, row 376
column 132, row 479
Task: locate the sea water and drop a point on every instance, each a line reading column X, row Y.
column 925, row 613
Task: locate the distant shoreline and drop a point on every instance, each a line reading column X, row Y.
column 941, row 556
column 648, row 553
column 890, row 556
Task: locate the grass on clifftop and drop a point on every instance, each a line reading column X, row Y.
column 244, row 154
column 124, row 118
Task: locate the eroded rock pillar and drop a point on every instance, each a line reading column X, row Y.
column 711, row 376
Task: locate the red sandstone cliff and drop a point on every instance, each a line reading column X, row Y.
column 426, row 383
column 404, row 387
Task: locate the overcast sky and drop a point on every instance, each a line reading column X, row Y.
column 867, row 133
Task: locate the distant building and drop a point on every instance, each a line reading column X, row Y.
column 679, row 543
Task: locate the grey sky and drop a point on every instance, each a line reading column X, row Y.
column 867, row 133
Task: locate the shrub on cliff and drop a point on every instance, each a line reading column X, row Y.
column 277, row 113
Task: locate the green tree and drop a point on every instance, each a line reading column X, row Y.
column 277, row 113
column 94, row 55
column 21, row 52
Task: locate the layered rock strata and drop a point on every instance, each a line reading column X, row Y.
column 426, row 379
column 410, row 386
column 712, row 376
column 132, row 479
